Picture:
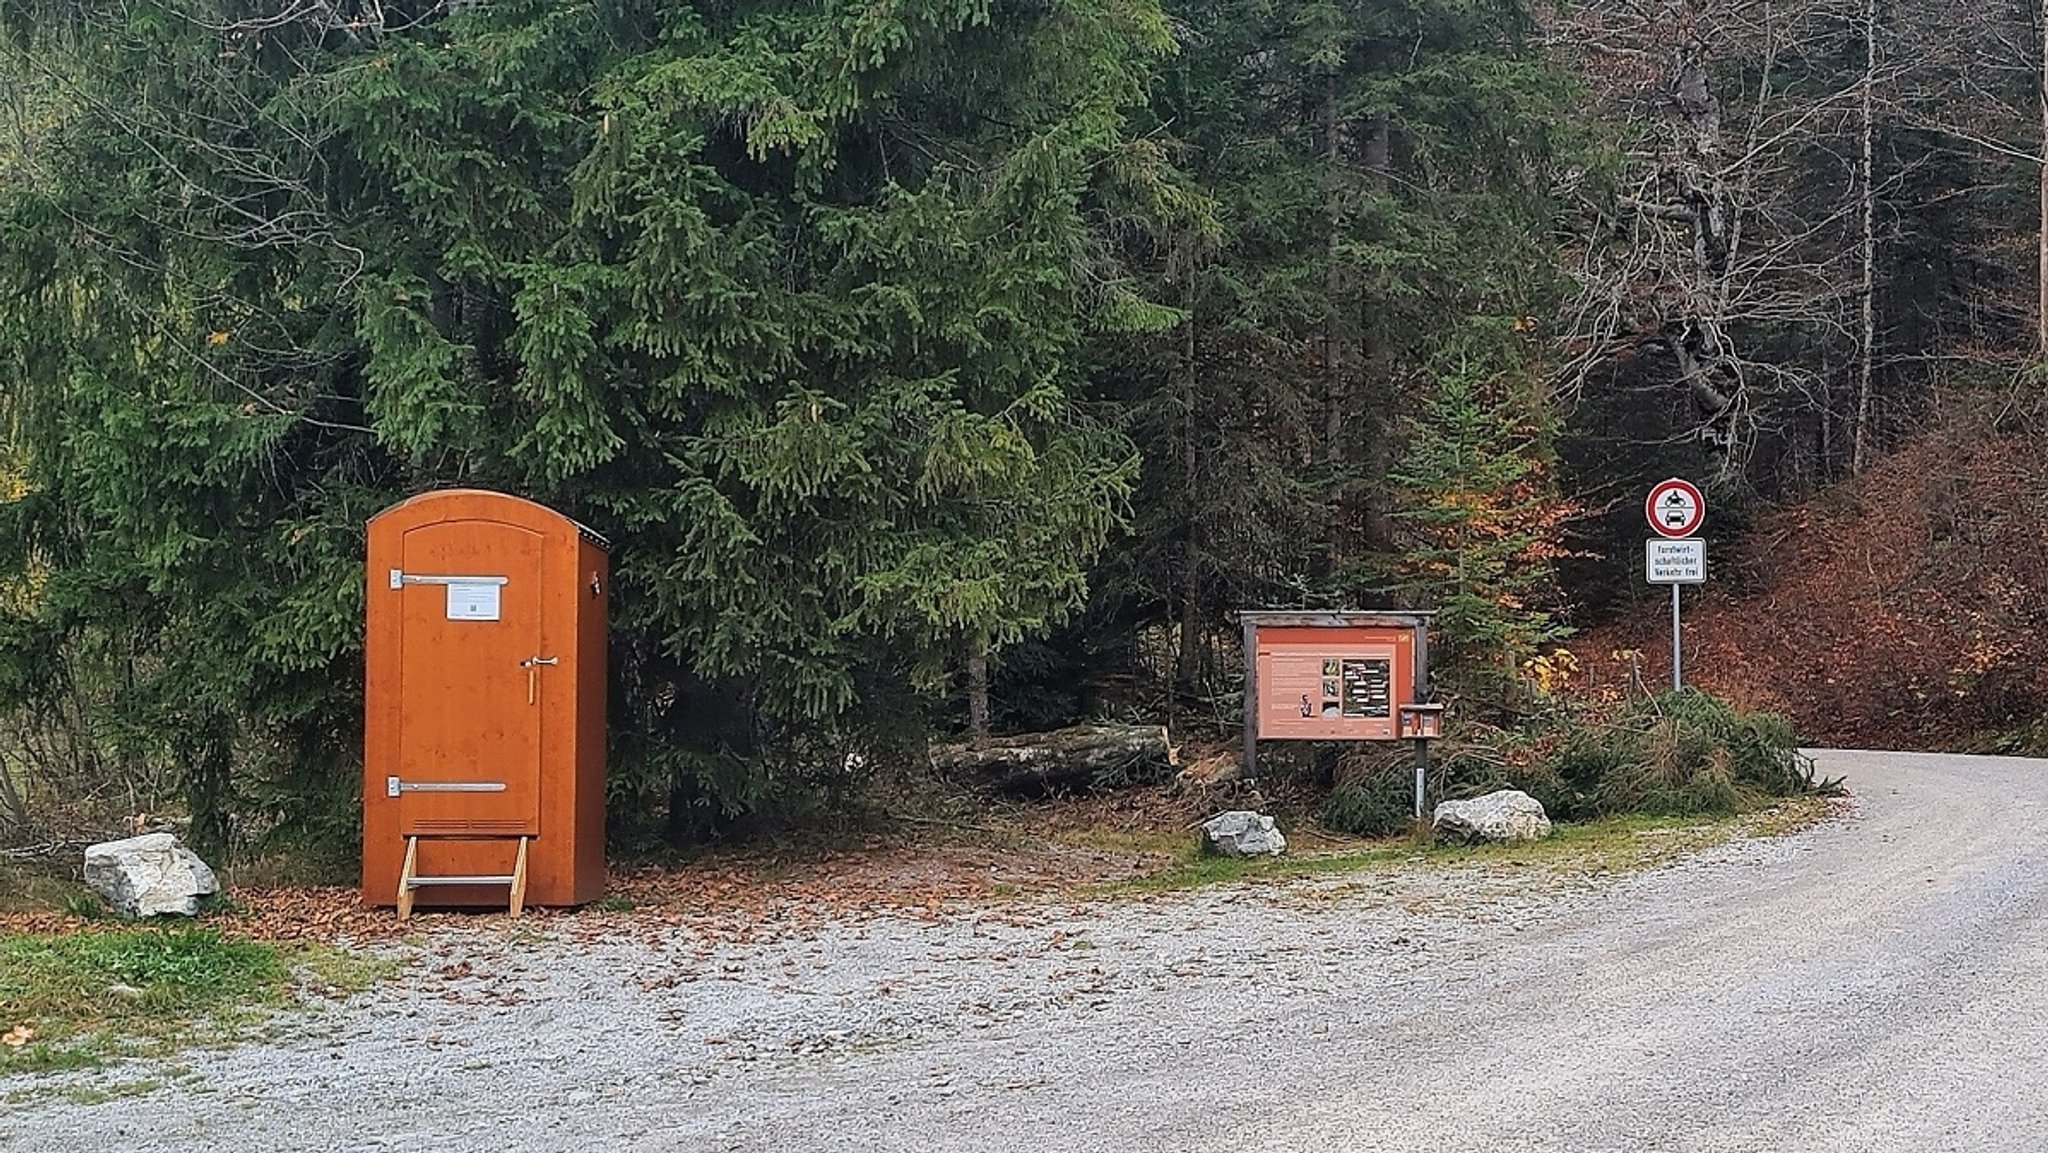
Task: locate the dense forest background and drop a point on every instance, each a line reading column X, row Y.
column 942, row 366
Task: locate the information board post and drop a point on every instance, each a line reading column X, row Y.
column 1422, row 727
column 1251, row 699
column 1421, row 780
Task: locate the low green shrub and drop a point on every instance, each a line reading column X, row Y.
column 1374, row 807
column 1677, row 754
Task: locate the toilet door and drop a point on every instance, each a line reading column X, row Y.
column 472, row 670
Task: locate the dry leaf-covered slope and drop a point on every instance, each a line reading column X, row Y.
column 1907, row 609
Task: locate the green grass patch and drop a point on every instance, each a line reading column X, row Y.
column 1195, row 871
column 1609, row 844
column 77, row 1000
column 84, row 1094
column 337, row 972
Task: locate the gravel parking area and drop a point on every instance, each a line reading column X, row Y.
column 1879, row 982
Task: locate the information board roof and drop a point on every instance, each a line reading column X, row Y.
column 1335, row 618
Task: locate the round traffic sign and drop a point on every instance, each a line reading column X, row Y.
column 1675, row 508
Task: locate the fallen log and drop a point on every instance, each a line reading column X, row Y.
column 1078, row 758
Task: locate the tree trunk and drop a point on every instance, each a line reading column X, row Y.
column 206, row 761
column 2041, row 304
column 1859, row 441
column 1185, row 660
column 1697, row 333
column 1333, row 284
column 1335, row 398
column 977, row 695
column 1376, row 435
column 13, row 810
column 1084, row 757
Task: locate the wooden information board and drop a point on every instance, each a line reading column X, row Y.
column 1332, row 676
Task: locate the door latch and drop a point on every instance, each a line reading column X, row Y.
column 532, row 667
column 393, row 786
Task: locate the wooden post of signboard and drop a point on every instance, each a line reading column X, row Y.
column 1421, row 694
column 1251, row 698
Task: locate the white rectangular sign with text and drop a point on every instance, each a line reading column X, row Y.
column 472, row 600
column 1675, row 562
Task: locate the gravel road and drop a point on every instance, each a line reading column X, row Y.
column 1877, row 983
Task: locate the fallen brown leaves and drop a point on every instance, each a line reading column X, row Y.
column 1901, row 610
column 999, row 864
column 40, row 923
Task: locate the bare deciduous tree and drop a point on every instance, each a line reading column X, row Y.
column 1710, row 263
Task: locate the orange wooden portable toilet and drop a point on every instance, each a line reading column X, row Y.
column 484, row 695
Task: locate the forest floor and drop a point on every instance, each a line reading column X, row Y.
column 1872, row 982
column 270, row 946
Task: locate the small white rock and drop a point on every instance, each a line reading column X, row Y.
column 1242, row 833
column 1503, row 815
column 148, row 876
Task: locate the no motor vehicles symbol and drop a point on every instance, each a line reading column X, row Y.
column 1675, row 508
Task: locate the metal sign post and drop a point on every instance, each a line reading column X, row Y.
column 1677, row 646
column 1421, row 778
column 1675, row 510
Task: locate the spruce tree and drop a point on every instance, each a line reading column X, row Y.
column 788, row 299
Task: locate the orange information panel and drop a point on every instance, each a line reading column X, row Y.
column 484, row 698
column 1333, row 676
column 1333, row 684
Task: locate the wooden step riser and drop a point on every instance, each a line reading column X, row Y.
column 409, row 881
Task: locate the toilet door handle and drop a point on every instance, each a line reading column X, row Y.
column 532, row 667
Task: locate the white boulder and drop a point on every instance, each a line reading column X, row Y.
column 1242, row 833
column 148, row 876
column 1505, row 815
